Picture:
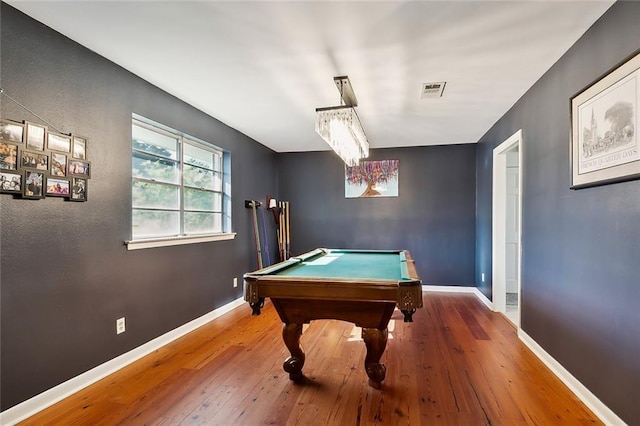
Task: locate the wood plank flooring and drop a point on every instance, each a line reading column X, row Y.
column 458, row 363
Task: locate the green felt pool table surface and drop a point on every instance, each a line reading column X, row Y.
column 382, row 265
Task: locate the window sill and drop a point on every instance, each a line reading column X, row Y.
column 177, row 241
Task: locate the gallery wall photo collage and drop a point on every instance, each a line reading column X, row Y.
column 36, row 163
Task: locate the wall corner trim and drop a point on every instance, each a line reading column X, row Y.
column 49, row 397
column 603, row 412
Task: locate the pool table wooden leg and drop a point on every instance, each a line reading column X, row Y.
column 408, row 314
column 376, row 342
column 293, row 365
column 255, row 307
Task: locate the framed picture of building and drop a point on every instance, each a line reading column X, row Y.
column 605, row 146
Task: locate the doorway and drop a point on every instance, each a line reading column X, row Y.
column 506, row 227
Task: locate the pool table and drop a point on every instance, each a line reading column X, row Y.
column 359, row 286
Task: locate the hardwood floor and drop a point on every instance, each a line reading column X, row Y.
column 457, row 364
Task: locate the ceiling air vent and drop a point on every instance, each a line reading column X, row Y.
column 432, row 90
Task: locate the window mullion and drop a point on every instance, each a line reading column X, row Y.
column 181, row 148
column 155, row 181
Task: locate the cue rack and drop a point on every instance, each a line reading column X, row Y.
column 280, row 211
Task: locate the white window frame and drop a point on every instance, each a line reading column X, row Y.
column 225, row 192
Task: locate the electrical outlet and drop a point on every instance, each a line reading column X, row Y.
column 235, row 282
column 120, row 327
column 483, row 277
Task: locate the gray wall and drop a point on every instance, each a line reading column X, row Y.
column 433, row 217
column 65, row 274
column 581, row 248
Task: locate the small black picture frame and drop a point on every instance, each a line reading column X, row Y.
column 33, row 184
column 8, row 156
column 10, row 182
column 58, row 164
column 59, row 142
column 35, row 136
column 78, row 189
column 34, row 160
column 11, row 131
column 58, row 187
column 79, row 147
column 79, row 168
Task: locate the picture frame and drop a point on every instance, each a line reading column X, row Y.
column 11, row 131
column 58, row 164
column 35, row 136
column 79, row 168
column 33, row 184
column 58, row 187
column 10, row 182
column 79, row 147
column 8, row 156
column 34, row 160
column 59, row 142
column 605, row 145
column 78, row 189
column 371, row 179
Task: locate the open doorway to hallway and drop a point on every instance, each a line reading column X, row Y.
column 506, row 226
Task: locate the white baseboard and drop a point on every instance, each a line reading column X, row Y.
column 603, row 412
column 460, row 289
column 47, row 398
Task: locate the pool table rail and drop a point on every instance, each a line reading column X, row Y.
column 406, row 294
column 267, row 282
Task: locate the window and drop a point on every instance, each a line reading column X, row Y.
column 180, row 186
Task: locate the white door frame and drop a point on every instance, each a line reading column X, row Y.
column 498, row 225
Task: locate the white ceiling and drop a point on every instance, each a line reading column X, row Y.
column 262, row 67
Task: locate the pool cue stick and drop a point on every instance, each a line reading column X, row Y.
column 272, row 204
column 256, row 232
column 281, row 241
column 284, row 231
column 278, row 237
column 265, row 239
column 280, row 232
column 288, row 232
